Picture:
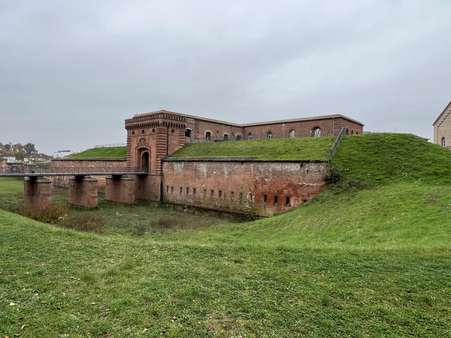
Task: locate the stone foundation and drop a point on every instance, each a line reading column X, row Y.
column 83, row 191
column 120, row 189
column 37, row 193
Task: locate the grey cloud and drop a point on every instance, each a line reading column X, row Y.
column 71, row 72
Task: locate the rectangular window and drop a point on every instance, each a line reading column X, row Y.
column 287, row 201
column 212, row 193
column 181, row 190
column 220, row 193
column 276, row 199
column 172, row 190
column 194, row 191
column 265, row 198
column 187, row 190
column 167, row 189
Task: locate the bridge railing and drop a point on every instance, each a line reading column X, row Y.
column 71, row 170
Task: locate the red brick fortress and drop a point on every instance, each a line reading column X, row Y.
column 258, row 187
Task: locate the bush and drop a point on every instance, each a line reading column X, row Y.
column 86, row 223
column 55, row 214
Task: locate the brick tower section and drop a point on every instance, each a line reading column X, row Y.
column 37, row 193
column 120, row 189
column 83, row 192
column 151, row 138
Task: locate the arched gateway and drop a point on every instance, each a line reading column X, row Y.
column 151, row 137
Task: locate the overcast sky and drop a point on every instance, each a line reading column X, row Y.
column 72, row 71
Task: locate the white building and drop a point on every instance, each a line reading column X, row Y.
column 442, row 128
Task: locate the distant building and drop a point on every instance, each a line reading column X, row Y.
column 10, row 159
column 442, row 128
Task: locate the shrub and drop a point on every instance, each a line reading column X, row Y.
column 55, row 214
column 86, row 223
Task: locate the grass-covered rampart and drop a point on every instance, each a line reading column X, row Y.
column 306, row 148
column 101, row 153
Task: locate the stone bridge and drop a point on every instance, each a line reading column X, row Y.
column 83, row 189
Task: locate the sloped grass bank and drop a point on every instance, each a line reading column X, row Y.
column 56, row 282
column 404, row 215
column 102, row 153
column 306, row 148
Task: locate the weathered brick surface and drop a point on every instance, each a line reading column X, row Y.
column 120, row 189
column 83, row 192
column 262, row 188
column 62, row 165
column 37, row 193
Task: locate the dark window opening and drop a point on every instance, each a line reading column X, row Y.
column 238, row 137
column 220, row 193
column 265, row 198
column 172, row 190
column 187, row 190
column 187, row 132
column 212, row 193
column 443, row 142
column 194, row 191
column 142, row 131
column 287, row 201
column 208, row 136
column 167, row 189
column 269, row 135
column 316, row 132
column 232, row 195
column 181, row 190
column 276, row 199
column 249, row 136
column 226, row 137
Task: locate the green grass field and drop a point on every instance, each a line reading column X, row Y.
column 306, row 148
column 105, row 153
column 370, row 257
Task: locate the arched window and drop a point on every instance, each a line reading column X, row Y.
column 443, row 142
column 249, row 136
column 188, row 132
column 226, row 137
column 269, row 135
column 238, row 137
column 292, row 133
column 316, row 132
column 208, row 135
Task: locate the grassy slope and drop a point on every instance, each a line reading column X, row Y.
column 405, row 202
column 56, row 282
column 370, row 258
column 109, row 153
column 275, row 149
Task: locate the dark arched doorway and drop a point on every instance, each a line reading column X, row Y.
column 145, row 161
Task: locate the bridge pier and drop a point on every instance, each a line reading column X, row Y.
column 37, row 193
column 83, row 191
column 120, row 189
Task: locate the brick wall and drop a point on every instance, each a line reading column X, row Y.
column 262, row 188
column 90, row 165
